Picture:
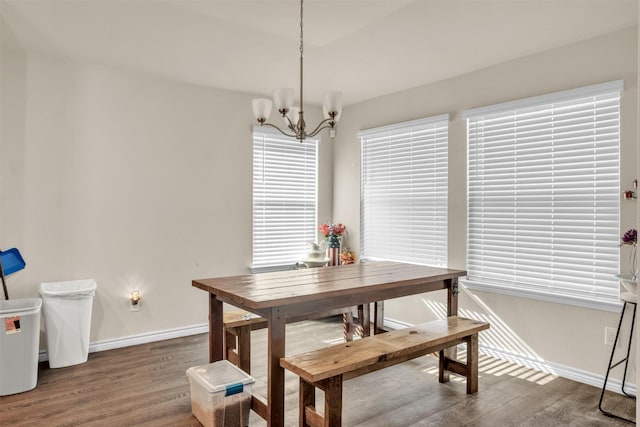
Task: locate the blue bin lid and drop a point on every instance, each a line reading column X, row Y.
column 11, row 261
column 220, row 376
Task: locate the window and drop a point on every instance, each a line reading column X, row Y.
column 543, row 196
column 284, row 198
column 404, row 192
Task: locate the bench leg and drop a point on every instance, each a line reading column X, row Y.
column 469, row 370
column 244, row 348
column 230, row 353
column 237, row 347
column 472, row 364
column 308, row 415
column 443, row 355
column 333, row 401
column 307, row 399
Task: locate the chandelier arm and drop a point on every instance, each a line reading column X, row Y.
column 317, row 131
column 292, row 135
column 291, row 126
column 321, row 126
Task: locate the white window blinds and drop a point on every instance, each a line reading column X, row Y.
column 543, row 194
column 404, row 192
column 284, row 198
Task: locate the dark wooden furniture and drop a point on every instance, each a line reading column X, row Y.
column 295, row 295
column 328, row 367
column 238, row 325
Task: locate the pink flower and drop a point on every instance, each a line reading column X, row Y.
column 328, row 229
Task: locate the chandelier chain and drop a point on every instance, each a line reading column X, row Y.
column 301, row 123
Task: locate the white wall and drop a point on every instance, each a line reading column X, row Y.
column 13, row 62
column 558, row 334
column 136, row 181
column 638, row 210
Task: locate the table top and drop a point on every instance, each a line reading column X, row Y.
column 354, row 283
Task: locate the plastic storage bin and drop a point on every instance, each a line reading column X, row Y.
column 220, row 394
column 67, row 319
column 19, row 344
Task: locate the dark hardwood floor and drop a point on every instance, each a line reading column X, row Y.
column 146, row 385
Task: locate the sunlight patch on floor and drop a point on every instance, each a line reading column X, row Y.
column 504, row 340
column 489, row 365
column 334, row 341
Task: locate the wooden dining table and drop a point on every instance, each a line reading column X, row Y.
column 289, row 296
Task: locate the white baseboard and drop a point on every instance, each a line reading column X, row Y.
column 395, row 324
column 568, row 372
column 140, row 339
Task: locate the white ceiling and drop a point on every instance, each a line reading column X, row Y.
column 366, row 48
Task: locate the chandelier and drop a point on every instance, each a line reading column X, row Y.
column 294, row 116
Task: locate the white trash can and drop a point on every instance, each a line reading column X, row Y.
column 67, row 320
column 19, row 344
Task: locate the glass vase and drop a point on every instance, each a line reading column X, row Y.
column 632, row 263
column 333, row 250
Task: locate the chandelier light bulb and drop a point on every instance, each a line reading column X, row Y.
column 332, row 102
column 293, row 115
column 261, row 109
column 283, row 99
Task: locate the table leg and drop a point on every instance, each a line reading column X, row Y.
column 347, row 325
column 276, row 350
column 350, row 328
column 378, row 317
column 452, row 297
column 452, row 310
column 365, row 321
column 216, row 329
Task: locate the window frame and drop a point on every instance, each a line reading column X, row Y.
column 258, row 263
column 608, row 301
column 397, row 134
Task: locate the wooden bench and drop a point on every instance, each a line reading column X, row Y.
column 237, row 336
column 238, row 325
column 328, row 367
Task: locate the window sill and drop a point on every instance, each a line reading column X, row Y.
column 596, row 303
column 270, row 268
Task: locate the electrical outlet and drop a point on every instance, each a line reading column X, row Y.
column 134, row 300
column 609, row 335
